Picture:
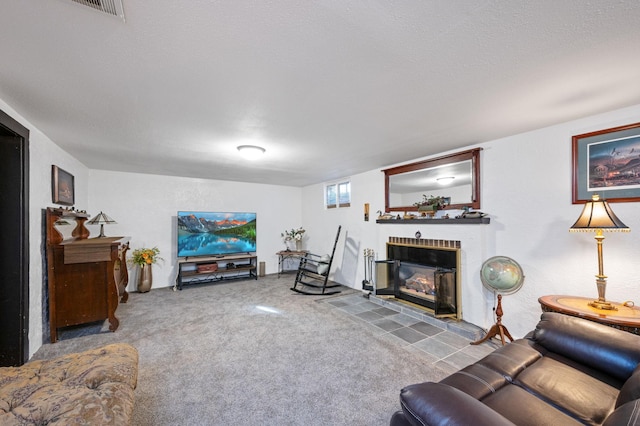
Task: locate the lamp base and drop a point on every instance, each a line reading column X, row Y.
column 601, row 283
column 606, row 306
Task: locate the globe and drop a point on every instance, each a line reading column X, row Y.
column 501, row 274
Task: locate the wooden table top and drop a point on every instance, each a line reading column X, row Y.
column 292, row 253
column 626, row 315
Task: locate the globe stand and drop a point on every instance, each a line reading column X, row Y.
column 496, row 329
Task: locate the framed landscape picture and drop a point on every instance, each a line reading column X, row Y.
column 62, row 187
column 607, row 162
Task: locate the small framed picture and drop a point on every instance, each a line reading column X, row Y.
column 607, row 163
column 62, row 187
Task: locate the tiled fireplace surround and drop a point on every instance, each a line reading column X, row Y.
column 425, row 242
column 459, row 327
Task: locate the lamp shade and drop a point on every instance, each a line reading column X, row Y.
column 597, row 215
column 100, row 219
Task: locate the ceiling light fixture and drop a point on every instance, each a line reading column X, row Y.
column 251, row 152
column 445, row 180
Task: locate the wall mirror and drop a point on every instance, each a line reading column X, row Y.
column 455, row 176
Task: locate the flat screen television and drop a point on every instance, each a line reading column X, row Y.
column 215, row 234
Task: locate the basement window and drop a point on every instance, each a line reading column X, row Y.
column 337, row 195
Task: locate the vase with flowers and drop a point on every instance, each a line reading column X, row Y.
column 294, row 236
column 145, row 258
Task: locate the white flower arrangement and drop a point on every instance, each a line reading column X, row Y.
column 294, row 234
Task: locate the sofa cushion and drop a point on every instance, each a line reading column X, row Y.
column 476, row 380
column 512, row 359
column 94, row 387
column 495, row 370
column 525, row 409
column 616, row 353
column 570, row 390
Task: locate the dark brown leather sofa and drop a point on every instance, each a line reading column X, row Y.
column 568, row 371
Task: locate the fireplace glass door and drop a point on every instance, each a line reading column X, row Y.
column 431, row 287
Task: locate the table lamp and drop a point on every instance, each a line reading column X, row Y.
column 597, row 216
column 101, row 219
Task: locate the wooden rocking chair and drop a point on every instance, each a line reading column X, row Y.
column 312, row 277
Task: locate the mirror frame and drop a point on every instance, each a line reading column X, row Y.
column 472, row 154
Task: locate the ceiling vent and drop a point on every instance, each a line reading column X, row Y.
column 110, row 7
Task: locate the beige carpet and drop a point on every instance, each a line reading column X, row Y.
column 255, row 353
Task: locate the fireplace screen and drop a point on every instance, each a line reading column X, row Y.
column 431, row 287
column 384, row 279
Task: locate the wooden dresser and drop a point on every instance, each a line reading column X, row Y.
column 87, row 277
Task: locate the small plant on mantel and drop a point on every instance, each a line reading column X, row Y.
column 431, row 203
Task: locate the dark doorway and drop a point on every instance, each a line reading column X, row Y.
column 14, row 244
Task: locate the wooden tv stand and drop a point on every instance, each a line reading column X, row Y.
column 196, row 270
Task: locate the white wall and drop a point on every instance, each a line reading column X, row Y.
column 356, row 235
column 42, row 154
column 526, row 190
column 145, row 208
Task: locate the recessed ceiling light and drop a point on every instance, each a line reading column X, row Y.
column 445, row 180
column 251, row 152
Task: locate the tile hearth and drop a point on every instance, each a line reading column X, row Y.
column 442, row 342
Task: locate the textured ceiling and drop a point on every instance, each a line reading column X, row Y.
column 328, row 88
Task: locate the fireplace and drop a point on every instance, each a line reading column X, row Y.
column 422, row 272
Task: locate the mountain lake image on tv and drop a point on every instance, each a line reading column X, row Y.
column 215, row 233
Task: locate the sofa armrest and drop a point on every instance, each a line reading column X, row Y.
column 437, row 404
column 627, row 415
column 399, row 419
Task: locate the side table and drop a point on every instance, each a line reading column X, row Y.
column 626, row 318
column 288, row 254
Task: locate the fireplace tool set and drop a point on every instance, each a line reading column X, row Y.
column 367, row 283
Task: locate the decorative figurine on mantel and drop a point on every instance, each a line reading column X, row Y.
column 476, row 214
column 386, row 216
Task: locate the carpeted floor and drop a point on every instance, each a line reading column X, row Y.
column 255, row 353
